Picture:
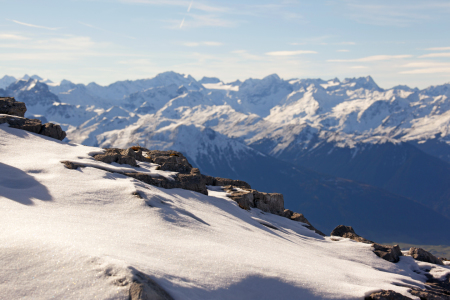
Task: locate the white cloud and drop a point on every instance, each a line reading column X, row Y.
column 358, row 67
column 342, row 50
column 371, row 58
column 7, row 36
column 290, row 53
column 32, row 25
column 435, row 55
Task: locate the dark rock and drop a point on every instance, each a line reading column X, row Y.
column 422, row 255
column 389, row 253
column 194, row 182
column 170, row 161
column 35, row 126
column 31, row 125
column 348, row 232
column 224, row 181
column 137, row 194
column 52, row 130
column 300, row 218
column 127, row 156
column 9, row 106
column 72, row 165
column 386, row 295
column 145, row 288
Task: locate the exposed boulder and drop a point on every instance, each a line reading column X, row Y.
column 52, row 130
column 386, row 295
column 127, row 156
column 145, row 288
column 9, row 106
column 422, row 255
column 170, row 161
column 389, row 253
column 348, row 232
column 247, row 198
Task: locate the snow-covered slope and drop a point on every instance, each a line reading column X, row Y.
column 79, row 234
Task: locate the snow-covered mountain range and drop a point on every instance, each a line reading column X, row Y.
column 395, row 139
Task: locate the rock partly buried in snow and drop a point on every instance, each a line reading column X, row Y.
column 127, row 156
column 9, row 106
column 170, row 161
column 389, row 253
column 248, row 198
column 52, row 130
column 422, row 255
column 300, row 218
column 348, row 232
column 218, row 181
column 72, row 165
column 145, row 288
column 34, row 125
column 386, row 295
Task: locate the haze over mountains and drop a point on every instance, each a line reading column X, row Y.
column 340, row 151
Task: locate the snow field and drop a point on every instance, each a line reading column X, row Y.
column 75, row 233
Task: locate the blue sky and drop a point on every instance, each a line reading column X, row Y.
column 396, row 41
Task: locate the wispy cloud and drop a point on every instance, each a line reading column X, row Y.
column 7, row 36
column 189, row 4
column 426, row 68
column 342, row 50
column 290, row 53
column 104, row 30
column 32, row 25
column 182, row 23
column 196, row 44
column 438, row 49
column 372, row 58
column 445, row 54
column 358, row 67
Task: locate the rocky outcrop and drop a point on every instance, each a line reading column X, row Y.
column 248, row 198
column 34, row 125
column 386, row 295
column 190, row 178
column 13, row 114
column 9, row 106
column 389, row 253
column 145, row 288
column 287, row 213
column 422, row 255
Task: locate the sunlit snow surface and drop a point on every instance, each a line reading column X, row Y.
column 70, row 234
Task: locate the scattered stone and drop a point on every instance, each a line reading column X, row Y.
column 389, row 253
column 72, row 165
column 386, row 295
column 145, row 288
column 137, row 194
column 9, row 106
column 422, row 255
column 247, row 198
